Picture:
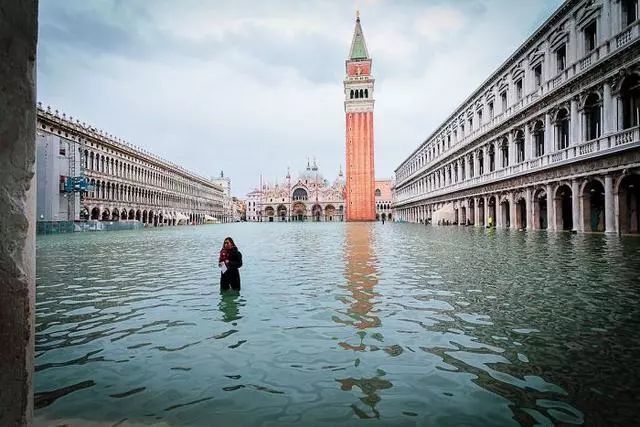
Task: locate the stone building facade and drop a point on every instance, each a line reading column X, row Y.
column 309, row 197
column 551, row 140
column 358, row 107
column 384, row 200
column 125, row 182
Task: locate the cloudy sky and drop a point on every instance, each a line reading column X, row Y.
column 253, row 87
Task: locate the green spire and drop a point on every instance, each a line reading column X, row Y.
column 358, row 45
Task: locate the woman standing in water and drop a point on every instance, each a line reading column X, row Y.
column 230, row 261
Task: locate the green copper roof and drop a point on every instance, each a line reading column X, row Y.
column 358, row 45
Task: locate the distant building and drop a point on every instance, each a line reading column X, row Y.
column 227, row 199
column 239, row 210
column 86, row 174
column 309, row 197
column 384, row 200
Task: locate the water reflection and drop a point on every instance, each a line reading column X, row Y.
column 229, row 305
column 361, row 277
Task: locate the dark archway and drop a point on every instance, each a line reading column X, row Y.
column 630, row 101
column 521, row 214
column 629, row 204
column 491, row 219
column 505, row 207
column 593, row 206
column 95, row 213
column 106, row 215
column 564, row 206
column 540, row 213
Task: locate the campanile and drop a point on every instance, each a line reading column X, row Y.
column 358, row 107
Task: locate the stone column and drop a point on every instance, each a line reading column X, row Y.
column 528, row 152
column 575, row 206
column 476, row 212
column 529, row 208
column 498, row 212
column 609, row 211
column 607, row 108
column 574, row 137
column 548, row 134
column 512, row 212
column 512, row 150
column 18, row 38
column 551, row 214
column 486, row 210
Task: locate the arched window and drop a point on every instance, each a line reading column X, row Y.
column 630, row 99
column 480, row 162
column 629, row 12
column 592, row 117
column 357, row 94
column 366, row 93
column 351, row 94
column 538, row 138
column 562, row 129
column 361, row 93
column 299, row 194
column 504, row 148
column 492, row 158
column 519, row 146
column 378, row 193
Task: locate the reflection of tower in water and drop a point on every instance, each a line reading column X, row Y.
column 362, row 277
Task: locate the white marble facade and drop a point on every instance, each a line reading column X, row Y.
column 550, row 140
column 308, row 197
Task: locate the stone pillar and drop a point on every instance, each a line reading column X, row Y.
column 512, row 212
column 512, row 150
column 529, row 207
column 574, row 137
column 607, row 108
column 476, row 212
column 18, row 38
column 575, row 206
column 498, row 212
column 486, row 210
column 548, row 134
column 609, row 211
column 551, row 213
column 528, row 152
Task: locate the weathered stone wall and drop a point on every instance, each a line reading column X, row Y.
column 18, row 38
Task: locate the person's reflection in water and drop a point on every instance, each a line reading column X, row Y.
column 229, row 305
column 362, row 277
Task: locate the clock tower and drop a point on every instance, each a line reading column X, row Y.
column 358, row 107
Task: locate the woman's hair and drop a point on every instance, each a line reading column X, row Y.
column 230, row 240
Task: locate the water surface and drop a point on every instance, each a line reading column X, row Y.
column 336, row 323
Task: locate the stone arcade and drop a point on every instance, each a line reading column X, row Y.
column 550, row 141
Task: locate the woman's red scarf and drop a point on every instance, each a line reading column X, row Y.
column 224, row 254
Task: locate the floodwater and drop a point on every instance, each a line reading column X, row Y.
column 349, row 324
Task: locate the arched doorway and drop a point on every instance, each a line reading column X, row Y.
column 521, row 213
column 329, row 213
column 628, row 203
column 144, row 217
column 300, row 194
column 540, row 217
column 115, row 215
column 472, row 211
column 316, row 211
column 491, row 219
column 563, row 206
column 299, row 211
column 463, row 216
column 95, row 213
column 593, row 206
column 132, row 214
column 505, row 213
column 282, row 212
column 138, row 215
column 270, row 213
column 84, row 213
column 106, row 215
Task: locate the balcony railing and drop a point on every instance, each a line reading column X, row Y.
column 595, row 147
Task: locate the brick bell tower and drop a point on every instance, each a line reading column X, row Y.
column 358, row 107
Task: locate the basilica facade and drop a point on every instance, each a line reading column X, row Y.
column 551, row 140
column 307, row 197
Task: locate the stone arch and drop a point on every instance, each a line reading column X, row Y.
column 300, row 194
column 316, row 212
column 329, row 212
column 106, row 215
column 593, row 211
column 282, row 212
column 299, row 211
column 270, row 213
column 540, row 214
column 95, row 213
column 563, row 206
column 629, row 101
column 492, row 210
column 628, row 198
column 521, row 211
column 132, row 214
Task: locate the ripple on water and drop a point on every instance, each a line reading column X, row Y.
column 337, row 323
